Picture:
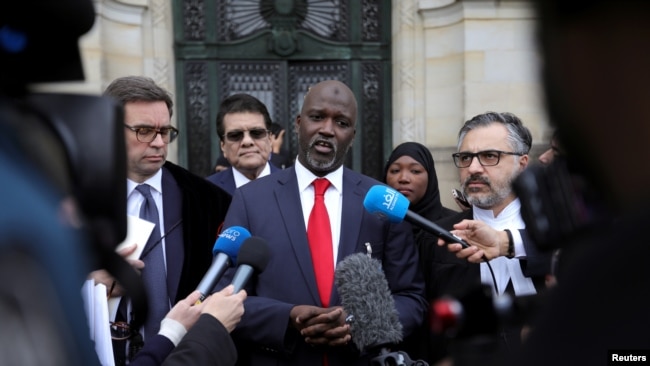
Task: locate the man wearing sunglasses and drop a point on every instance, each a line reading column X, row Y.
column 243, row 126
column 492, row 151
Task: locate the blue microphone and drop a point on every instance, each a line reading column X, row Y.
column 388, row 203
column 254, row 255
column 225, row 255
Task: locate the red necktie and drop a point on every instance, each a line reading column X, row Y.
column 319, row 236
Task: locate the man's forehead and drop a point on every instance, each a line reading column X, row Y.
column 492, row 137
column 244, row 119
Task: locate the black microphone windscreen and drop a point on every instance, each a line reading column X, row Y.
column 365, row 295
column 254, row 251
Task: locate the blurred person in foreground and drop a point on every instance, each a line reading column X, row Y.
column 596, row 86
column 554, row 150
column 45, row 251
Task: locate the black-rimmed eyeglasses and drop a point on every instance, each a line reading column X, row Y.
column 485, row 158
column 148, row 134
column 238, row 135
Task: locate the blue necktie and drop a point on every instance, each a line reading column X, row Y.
column 154, row 274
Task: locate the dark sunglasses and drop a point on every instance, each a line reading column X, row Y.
column 238, row 135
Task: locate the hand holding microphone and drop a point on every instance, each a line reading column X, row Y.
column 226, row 306
column 487, row 243
column 225, row 253
column 389, row 203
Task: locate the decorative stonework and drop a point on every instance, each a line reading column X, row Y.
column 197, row 117
column 407, row 13
column 407, row 67
column 282, row 21
column 371, row 30
column 372, row 127
column 194, row 20
column 159, row 9
column 161, row 72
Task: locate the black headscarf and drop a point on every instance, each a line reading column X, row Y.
column 429, row 206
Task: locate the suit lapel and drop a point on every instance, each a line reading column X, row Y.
column 174, row 251
column 352, row 212
column 289, row 206
column 228, row 181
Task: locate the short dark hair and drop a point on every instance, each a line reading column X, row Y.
column 139, row 89
column 241, row 103
column 519, row 136
column 276, row 128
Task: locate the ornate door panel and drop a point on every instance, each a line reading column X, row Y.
column 275, row 50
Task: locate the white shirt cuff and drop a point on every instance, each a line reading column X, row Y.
column 520, row 250
column 173, row 330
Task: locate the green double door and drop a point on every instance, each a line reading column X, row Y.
column 275, row 50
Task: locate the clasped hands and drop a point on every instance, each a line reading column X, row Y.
column 483, row 241
column 321, row 326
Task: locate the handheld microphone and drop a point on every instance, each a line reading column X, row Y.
column 366, row 297
column 374, row 321
column 225, row 255
column 254, row 255
column 388, row 203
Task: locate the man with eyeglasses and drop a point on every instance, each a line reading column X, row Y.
column 492, row 151
column 189, row 209
column 243, row 126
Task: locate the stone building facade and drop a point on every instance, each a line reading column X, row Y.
column 451, row 60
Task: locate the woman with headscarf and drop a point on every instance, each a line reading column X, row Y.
column 411, row 171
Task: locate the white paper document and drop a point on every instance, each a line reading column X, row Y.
column 138, row 232
column 97, row 311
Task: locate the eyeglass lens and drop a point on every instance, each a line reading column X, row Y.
column 238, row 135
column 485, row 158
column 148, row 134
column 120, row 330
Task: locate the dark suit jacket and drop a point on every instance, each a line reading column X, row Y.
column 447, row 275
column 602, row 298
column 281, row 160
column 206, row 343
column 154, row 352
column 270, row 208
column 202, row 208
column 226, row 180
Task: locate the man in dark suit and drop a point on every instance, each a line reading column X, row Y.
column 492, row 151
column 243, row 126
column 190, row 209
column 289, row 318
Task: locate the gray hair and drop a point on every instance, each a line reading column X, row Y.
column 519, row 137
